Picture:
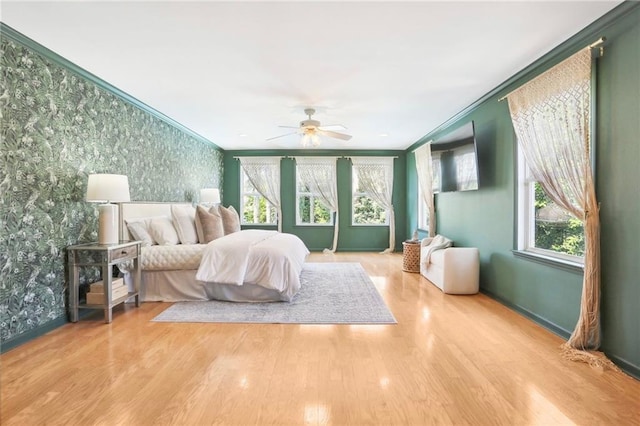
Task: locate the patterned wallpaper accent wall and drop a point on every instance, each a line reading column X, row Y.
column 56, row 128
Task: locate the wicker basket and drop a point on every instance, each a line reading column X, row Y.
column 411, row 256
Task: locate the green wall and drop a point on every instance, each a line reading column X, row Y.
column 486, row 218
column 351, row 238
column 59, row 124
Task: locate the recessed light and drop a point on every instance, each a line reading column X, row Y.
column 383, row 135
column 242, row 135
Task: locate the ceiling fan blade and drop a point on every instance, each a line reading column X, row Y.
column 282, row 136
column 333, row 127
column 335, row 135
column 289, row 127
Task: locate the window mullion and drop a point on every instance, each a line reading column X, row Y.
column 256, row 209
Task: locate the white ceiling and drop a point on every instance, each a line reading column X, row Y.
column 234, row 71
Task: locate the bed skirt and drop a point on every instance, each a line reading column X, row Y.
column 181, row 285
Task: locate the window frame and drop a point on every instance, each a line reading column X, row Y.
column 354, row 194
column 525, row 220
column 256, row 197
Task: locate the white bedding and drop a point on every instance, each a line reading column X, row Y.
column 171, row 257
column 268, row 259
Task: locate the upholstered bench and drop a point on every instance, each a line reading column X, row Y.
column 454, row 270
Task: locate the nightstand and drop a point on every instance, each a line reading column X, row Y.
column 104, row 256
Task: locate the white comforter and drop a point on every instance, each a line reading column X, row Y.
column 266, row 258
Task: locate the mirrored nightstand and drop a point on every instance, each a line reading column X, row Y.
column 104, row 256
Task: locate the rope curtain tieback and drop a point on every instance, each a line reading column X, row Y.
column 552, row 119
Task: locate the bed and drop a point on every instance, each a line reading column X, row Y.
column 243, row 266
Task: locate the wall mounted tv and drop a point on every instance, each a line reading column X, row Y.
column 455, row 161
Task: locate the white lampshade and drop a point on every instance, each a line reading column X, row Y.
column 210, row 195
column 104, row 188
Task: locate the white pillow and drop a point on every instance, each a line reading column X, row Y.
column 161, row 229
column 184, row 220
column 139, row 230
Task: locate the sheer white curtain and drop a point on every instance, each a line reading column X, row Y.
column 320, row 175
column 424, row 166
column 551, row 117
column 375, row 175
column 264, row 175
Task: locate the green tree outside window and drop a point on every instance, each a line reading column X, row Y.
column 556, row 229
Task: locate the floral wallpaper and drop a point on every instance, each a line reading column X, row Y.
column 56, row 128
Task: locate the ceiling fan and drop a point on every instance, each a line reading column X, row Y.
column 311, row 130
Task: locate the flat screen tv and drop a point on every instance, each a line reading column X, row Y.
column 455, row 161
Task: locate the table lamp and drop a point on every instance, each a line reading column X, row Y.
column 107, row 188
column 209, row 196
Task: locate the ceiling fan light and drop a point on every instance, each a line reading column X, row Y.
column 310, row 131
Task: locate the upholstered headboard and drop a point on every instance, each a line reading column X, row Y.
column 139, row 209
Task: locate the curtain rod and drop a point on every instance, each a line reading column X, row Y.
column 342, row 156
column 319, row 156
column 591, row 46
column 369, row 156
column 260, row 156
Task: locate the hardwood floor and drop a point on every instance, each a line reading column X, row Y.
column 449, row 360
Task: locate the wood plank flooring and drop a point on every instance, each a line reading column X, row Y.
column 449, row 360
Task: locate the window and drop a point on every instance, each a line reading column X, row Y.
column 423, row 220
column 310, row 210
column 545, row 228
column 256, row 210
column 365, row 210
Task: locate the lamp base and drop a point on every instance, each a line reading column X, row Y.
column 108, row 224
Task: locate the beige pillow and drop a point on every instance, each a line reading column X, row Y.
column 162, row 230
column 208, row 224
column 230, row 219
column 184, row 220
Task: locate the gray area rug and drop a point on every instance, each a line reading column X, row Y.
column 331, row 293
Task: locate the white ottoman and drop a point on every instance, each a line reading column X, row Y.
column 454, row 270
